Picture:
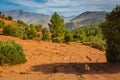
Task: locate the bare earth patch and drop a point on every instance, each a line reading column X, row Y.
column 53, row 61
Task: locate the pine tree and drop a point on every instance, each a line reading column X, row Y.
column 111, row 31
column 57, row 28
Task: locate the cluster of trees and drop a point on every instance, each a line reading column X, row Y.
column 90, row 35
column 24, row 31
column 4, row 17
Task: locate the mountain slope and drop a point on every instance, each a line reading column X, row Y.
column 33, row 18
column 89, row 17
column 28, row 17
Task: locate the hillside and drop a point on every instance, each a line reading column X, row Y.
column 89, row 17
column 7, row 21
column 54, row 61
column 28, row 17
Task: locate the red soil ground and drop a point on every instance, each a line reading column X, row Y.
column 53, row 61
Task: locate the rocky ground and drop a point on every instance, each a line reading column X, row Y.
column 53, row 61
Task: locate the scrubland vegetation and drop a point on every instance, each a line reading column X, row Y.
column 104, row 36
column 11, row 53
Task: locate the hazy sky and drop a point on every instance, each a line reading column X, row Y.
column 63, row 7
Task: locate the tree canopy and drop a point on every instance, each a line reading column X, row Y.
column 111, row 31
column 57, row 28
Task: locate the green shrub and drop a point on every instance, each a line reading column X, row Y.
column 9, row 30
column 57, row 39
column 30, row 32
column 13, row 30
column 79, row 34
column 38, row 27
column 98, row 45
column 45, row 35
column 9, row 17
column 11, row 53
column 68, row 36
column 2, row 24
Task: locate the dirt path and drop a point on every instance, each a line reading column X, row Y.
column 53, row 61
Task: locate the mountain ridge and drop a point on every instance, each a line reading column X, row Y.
column 28, row 17
column 86, row 18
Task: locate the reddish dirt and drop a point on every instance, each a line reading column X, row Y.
column 53, row 61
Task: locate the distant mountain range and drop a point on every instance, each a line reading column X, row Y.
column 89, row 17
column 33, row 18
column 72, row 22
column 28, row 17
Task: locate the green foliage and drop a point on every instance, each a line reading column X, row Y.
column 79, row 34
column 2, row 24
column 57, row 28
column 9, row 17
column 21, row 23
column 91, row 35
column 58, row 39
column 9, row 30
column 11, row 53
column 45, row 34
column 111, row 31
column 38, row 27
column 68, row 36
column 22, row 30
column 13, row 30
column 2, row 16
column 30, row 32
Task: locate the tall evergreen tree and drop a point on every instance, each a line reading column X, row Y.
column 111, row 31
column 57, row 28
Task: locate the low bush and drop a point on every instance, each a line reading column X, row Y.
column 11, row 53
column 68, row 36
column 45, row 34
column 1, row 24
column 12, row 30
column 30, row 32
column 57, row 40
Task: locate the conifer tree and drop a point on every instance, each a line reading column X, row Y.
column 57, row 28
column 111, row 31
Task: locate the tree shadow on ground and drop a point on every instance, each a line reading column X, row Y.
column 77, row 68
